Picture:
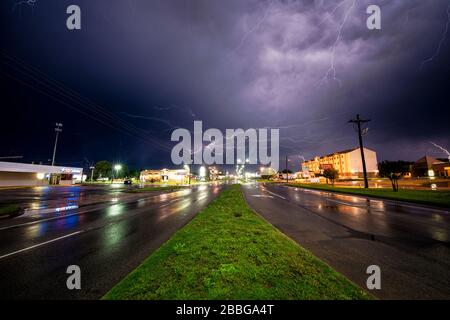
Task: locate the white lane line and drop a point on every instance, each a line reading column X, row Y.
column 346, row 203
column 170, row 202
column 43, row 220
column 73, row 214
column 276, row 195
column 402, row 203
column 40, row 244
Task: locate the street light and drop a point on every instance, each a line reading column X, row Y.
column 58, row 129
column 202, row 172
column 117, row 167
column 92, row 172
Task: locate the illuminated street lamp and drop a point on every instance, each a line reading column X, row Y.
column 92, row 172
column 117, row 167
column 202, row 172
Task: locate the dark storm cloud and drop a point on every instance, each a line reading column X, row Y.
column 304, row 66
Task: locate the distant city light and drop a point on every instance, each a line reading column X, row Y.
column 118, row 167
column 202, row 172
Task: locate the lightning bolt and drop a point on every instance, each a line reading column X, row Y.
column 332, row 12
column 443, row 149
column 441, row 43
column 331, row 72
column 255, row 27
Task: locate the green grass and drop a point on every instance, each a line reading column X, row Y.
column 161, row 188
column 8, row 210
column 427, row 197
column 229, row 252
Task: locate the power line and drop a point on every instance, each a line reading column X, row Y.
column 106, row 117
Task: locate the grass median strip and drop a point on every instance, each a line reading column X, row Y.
column 426, row 197
column 9, row 210
column 229, row 252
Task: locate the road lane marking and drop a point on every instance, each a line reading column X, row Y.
column 170, row 202
column 276, row 195
column 43, row 220
column 77, row 213
column 385, row 201
column 347, row 203
column 261, row 196
column 40, row 244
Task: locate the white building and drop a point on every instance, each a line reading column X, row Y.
column 348, row 163
column 24, row 174
column 165, row 175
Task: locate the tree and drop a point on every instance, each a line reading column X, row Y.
column 134, row 174
column 103, row 169
column 331, row 174
column 122, row 173
column 394, row 170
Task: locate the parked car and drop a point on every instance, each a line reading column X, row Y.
column 127, row 181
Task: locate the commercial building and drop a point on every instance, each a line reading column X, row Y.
column 430, row 167
column 348, row 163
column 24, row 174
column 266, row 172
column 442, row 169
column 165, row 175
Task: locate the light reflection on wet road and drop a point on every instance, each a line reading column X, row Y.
column 106, row 243
column 410, row 243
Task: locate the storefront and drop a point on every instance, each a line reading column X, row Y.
column 24, row 174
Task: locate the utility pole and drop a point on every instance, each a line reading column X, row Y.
column 358, row 121
column 190, row 172
column 58, row 129
column 190, row 166
column 287, row 175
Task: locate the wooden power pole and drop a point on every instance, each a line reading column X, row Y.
column 358, row 121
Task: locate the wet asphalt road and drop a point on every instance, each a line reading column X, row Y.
column 40, row 197
column 411, row 244
column 106, row 243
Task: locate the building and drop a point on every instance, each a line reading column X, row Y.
column 165, row 175
column 430, row 167
column 266, row 172
column 442, row 169
column 213, row 173
column 348, row 163
column 150, row 176
column 24, row 174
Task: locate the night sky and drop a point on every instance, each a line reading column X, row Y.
column 139, row 69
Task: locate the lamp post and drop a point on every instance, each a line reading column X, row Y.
column 117, row 168
column 58, row 129
column 92, row 172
